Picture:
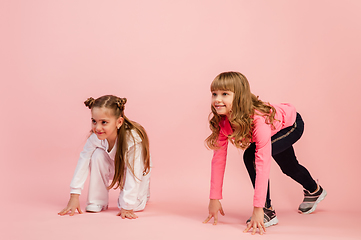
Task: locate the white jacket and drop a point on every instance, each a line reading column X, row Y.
column 135, row 192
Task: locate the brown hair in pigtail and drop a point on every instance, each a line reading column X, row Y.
column 120, row 161
column 89, row 102
column 120, row 103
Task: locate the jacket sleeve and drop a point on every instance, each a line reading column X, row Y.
column 263, row 156
column 129, row 195
column 218, row 167
column 82, row 168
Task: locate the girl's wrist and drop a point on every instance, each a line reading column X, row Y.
column 257, row 209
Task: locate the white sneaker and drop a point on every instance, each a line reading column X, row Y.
column 311, row 200
column 94, row 208
column 269, row 219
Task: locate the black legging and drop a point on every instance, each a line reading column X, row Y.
column 284, row 155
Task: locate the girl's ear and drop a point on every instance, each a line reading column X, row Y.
column 120, row 122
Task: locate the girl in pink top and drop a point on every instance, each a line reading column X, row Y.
column 263, row 131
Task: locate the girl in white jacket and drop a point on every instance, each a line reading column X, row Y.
column 117, row 149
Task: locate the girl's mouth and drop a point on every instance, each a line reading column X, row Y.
column 219, row 106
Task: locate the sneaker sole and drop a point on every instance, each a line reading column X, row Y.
column 96, row 211
column 322, row 196
column 274, row 221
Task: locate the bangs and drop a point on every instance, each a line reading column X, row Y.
column 223, row 82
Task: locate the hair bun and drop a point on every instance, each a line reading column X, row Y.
column 89, row 102
column 120, row 103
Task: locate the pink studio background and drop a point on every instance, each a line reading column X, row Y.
column 162, row 56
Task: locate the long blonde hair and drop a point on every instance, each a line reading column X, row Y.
column 244, row 106
column 116, row 104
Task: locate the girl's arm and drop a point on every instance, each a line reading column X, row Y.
column 217, row 174
column 218, row 167
column 80, row 175
column 263, row 154
column 82, row 168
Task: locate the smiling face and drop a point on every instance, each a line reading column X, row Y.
column 105, row 124
column 222, row 101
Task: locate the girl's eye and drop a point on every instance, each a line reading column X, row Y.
column 94, row 122
column 225, row 94
column 214, row 94
column 104, row 122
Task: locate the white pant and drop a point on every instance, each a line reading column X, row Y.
column 101, row 171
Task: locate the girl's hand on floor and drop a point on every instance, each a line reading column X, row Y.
column 213, row 208
column 72, row 206
column 127, row 214
column 256, row 221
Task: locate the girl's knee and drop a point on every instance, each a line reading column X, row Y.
column 290, row 170
column 98, row 156
column 100, row 162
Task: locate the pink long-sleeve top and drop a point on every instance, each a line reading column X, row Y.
column 262, row 133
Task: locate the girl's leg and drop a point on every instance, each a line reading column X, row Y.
column 280, row 142
column 314, row 193
column 284, row 155
column 249, row 158
column 101, row 170
column 270, row 217
column 286, row 137
column 289, row 165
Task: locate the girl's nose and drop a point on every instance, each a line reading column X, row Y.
column 97, row 127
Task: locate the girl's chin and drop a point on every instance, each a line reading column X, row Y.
column 101, row 137
column 222, row 113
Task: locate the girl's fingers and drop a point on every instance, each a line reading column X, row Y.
column 222, row 212
column 254, row 229
column 208, row 218
column 72, row 212
column 254, row 226
column 260, row 229
column 79, row 210
column 63, row 212
column 263, row 227
column 127, row 214
column 131, row 215
column 248, row 227
column 215, row 219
